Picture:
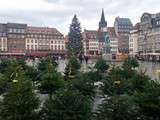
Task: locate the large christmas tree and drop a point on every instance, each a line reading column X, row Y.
column 75, row 47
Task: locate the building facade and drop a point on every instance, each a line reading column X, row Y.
column 90, row 43
column 149, row 34
column 94, row 41
column 44, row 39
column 133, row 40
column 16, row 34
column 18, row 38
column 3, row 38
column 122, row 29
column 102, row 41
column 113, row 40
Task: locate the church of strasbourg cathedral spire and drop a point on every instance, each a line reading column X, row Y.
column 103, row 22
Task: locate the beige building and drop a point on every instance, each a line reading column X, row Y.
column 113, row 40
column 90, row 43
column 44, row 39
column 133, row 40
column 3, row 38
column 3, row 44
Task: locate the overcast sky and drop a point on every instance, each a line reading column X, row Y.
column 59, row 13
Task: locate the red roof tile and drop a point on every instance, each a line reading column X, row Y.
column 42, row 30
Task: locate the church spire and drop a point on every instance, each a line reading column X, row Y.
column 102, row 22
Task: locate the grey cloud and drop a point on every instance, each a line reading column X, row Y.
column 61, row 12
